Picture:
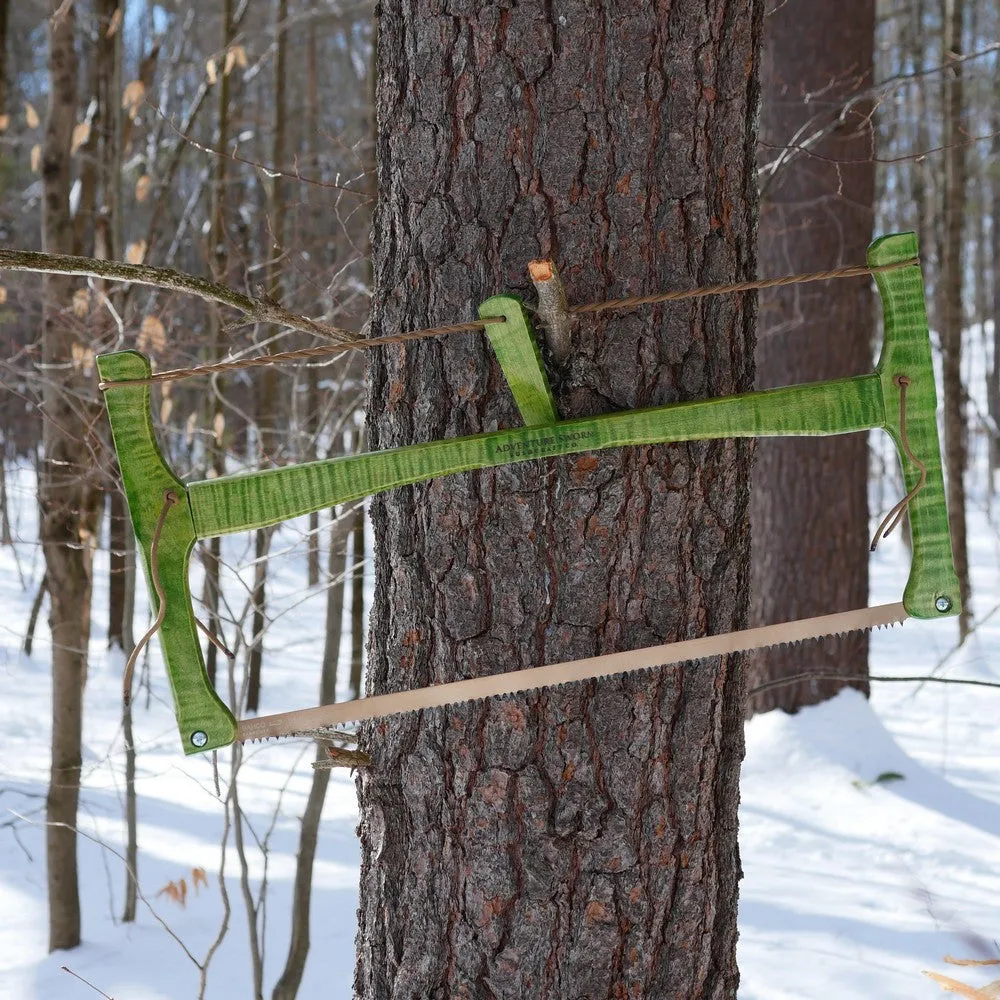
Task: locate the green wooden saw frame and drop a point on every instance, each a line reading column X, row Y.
column 243, row 502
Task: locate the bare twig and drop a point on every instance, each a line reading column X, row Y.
column 66, row 968
column 803, row 148
column 58, row 14
column 824, row 676
column 256, row 310
column 270, row 171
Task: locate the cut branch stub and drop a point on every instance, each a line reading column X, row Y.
column 553, row 312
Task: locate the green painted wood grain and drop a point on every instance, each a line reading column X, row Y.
column 516, row 349
column 239, row 503
column 145, row 478
column 243, row 502
column 906, row 350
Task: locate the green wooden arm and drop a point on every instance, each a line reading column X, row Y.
column 238, row 503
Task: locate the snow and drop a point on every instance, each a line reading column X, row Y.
column 852, row 886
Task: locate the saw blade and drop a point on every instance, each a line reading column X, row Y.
column 306, row 720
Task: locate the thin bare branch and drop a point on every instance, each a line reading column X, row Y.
column 256, row 310
column 66, row 968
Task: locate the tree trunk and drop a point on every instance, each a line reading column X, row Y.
column 952, row 318
column 36, row 607
column 267, row 384
column 108, row 227
column 288, row 983
column 4, row 21
column 580, row 841
column 117, row 542
column 6, row 538
column 357, row 600
column 131, row 802
column 212, row 553
column 993, row 387
column 809, row 505
column 313, row 400
column 66, row 493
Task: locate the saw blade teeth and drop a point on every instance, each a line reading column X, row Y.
column 559, row 677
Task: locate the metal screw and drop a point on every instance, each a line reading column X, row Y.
column 943, row 604
column 199, row 739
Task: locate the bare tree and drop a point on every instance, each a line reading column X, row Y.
column 952, row 318
column 267, row 394
column 287, row 986
column 67, row 491
column 576, row 842
column 218, row 261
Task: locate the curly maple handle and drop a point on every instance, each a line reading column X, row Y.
column 932, row 588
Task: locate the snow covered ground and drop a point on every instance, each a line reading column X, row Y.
column 853, row 886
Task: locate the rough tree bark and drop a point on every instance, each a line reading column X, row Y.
column 809, row 505
column 950, row 311
column 68, row 498
column 577, row 842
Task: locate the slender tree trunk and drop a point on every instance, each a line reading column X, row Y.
column 131, row 803
column 582, row 841
column 67, row 494
column 951, row 312
column 290, row 979
column 6, row 537
column 357, row 600
column 4, row 21
column 809, row 506
column 993, row 387
column 267, row 400
column 104, row 173
column 923, row 204
column 36, row 607
column 312, row 380
column 212, row 553
column 117, row 534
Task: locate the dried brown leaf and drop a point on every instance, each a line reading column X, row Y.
column 182, row 892
column 4, row 122
column 31, row 115
column 152, row 335
column 219, row 427
column 81, row 302
column 211, row 71
column 36, row 158
column 81, row 133
column 171, row 891
column 115, row 23
column 3, row 295
column 83, row 358
column 142, row 186
column 135, row 252
column 132, row 96
column 235, row 56
column 954, row 986
column 199, row 877
column 971, row 961
column 189, row 428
